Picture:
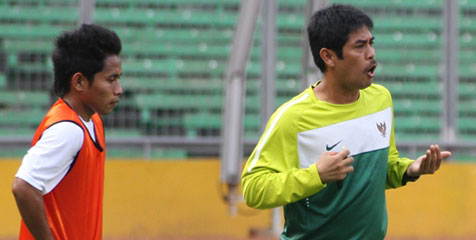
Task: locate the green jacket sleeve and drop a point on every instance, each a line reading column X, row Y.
column 396, row 166
column 272, row 176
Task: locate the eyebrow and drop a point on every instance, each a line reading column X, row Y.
column 364, row 41
column 115, row 75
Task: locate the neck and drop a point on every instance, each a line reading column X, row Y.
column 329, row 90
column 79, row 108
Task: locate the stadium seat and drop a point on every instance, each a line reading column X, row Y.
column 207, row 120
column 175, row 54
column 24, row 99
column 400, row 4
column 425, row 24
column 22, row 118
column 3, row 81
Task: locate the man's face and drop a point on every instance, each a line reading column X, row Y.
column 356, row 69
column 104, row 92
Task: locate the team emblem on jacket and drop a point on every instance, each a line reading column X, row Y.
column 382, row 128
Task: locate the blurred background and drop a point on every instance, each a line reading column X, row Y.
column 172, row 171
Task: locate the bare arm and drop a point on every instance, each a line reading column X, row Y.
column 32, row 209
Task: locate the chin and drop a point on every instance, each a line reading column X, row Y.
column 366, row 84
column 104, row 112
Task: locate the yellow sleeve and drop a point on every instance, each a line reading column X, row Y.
column 271, row 176
column 396, row 166
column 263, row 188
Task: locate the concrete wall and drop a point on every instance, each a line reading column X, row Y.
column 182, row 198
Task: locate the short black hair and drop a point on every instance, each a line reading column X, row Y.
column 82, row 50
column 330, row 28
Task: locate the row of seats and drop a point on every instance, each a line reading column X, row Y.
column 175, row 54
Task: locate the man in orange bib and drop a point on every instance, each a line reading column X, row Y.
column 59, row 185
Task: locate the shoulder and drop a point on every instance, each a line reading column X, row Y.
column 68, row 132
column 291, row 110
column 377, row 91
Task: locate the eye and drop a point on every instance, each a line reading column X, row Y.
column 114, row 78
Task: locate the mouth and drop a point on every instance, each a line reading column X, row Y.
column 371, row 70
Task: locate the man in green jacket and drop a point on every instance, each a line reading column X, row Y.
column 328, row 154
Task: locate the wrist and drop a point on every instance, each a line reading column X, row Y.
column 411, row 173
column 321, row 177
column 408, row 178
column 412, row 170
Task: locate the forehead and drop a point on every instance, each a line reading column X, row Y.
column 112, row 65
column 362, row 33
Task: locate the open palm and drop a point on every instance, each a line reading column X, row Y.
column 428, row 163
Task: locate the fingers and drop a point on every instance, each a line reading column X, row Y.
column 330, row 153
column 345, row 170
column 343, row 154
column 434, row 157
column 445, row 154
column 348, row 161
column 334, row 166
column 431, row 161
column 438, row 158
column 426, row 161
column 346, row 167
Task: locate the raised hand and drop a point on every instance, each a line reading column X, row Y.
column 428, row 163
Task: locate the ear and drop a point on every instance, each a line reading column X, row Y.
column 328, row 56
column 79, row 82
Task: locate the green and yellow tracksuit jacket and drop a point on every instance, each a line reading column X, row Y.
column 281, row 171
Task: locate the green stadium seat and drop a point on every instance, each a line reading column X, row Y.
column 411, row 136
column 176, row 101
column 34, row 99
column 404, row 56
column 120, row 132
column 420, row 89
column 23, row 118
column 467, row 89
column 416, row 128
column 7, row 131
column 17, row 152
column 3, row 81
column 27, row 14
column 407, row 40
column 467, row 107
column 47, row 32
column 467, row 71
column 425, row 24
column 411, row 70
column 130, row 152
column 400, row 4
column 466, row 124
column 417, row 107
column 175, row 54
column 467, row 4
column 206, row 120
column 28, row 46
column 465, row 59
column 197, row 86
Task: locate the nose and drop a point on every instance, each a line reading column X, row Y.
column 118, row 89
column 371, row 52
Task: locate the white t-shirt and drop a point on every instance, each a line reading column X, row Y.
column 50, row 159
